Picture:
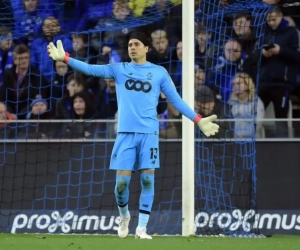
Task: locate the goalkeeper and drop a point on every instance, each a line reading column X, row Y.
column 138, row 85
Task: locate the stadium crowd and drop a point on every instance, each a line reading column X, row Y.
column 227, row 56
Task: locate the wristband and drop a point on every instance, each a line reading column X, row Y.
column 67, row 58
column 197, row 118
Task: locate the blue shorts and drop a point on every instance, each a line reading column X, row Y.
column 135, row 151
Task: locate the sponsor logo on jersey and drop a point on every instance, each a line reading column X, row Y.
column 137, row 85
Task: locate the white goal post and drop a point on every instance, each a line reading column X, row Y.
column 188, row 155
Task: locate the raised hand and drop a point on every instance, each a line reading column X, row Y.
column 56, row 53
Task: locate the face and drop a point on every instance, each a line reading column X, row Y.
column 6, row 41
column 39, row 108
column 160, row 44
column 136, row 49
column 238, row 85
column 121, row 11
column 30, row 5
column 241, row 26
column 202, row 38
column 274, row 19
column 204, row 108
column 79, row 106
column 2, row 112
column 22, row 60
column 61, row 68
column 233, row 51
column 199, row 77
column 179, row 51
column 51, row 27
column 78, row 44
column 74, row 88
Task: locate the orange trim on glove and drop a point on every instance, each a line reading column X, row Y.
column 67, row 58
column 197, row 118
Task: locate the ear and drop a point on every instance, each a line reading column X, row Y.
column 147, row 48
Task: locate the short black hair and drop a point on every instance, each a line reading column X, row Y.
column 141, row 37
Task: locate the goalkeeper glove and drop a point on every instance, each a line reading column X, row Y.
column 58, row 53
column 207, row 126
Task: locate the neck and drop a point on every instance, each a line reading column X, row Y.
column 21, row 71
column 243, row 97
column 139, row 61
column 202, row 47
column 49, row 38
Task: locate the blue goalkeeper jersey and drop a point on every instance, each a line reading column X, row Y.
column 138, row 88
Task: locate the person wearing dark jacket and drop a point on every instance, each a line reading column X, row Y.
column 82, row 109
column 207, row 103
column 279, row 65
column 107, row 104
column 22, row 83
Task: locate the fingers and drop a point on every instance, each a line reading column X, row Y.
column 215, row 126
column 214, row 129
column 49, row 48
column 59, row 44
column 207, row 134
column 211, row 118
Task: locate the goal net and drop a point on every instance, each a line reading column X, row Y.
column 54, row 175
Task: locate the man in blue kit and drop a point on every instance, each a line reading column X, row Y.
column 138, row 86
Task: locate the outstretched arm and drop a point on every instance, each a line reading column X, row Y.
column 58, row 54
column 205, row 124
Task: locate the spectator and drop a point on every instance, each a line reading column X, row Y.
column 113, row 43
column 39, row 56
column 75, row 84
column 82, row 109
column 6, row 129
column 245, row 108
column 161, row 52
column 203, row 48
column 228, row 65
column 290, row 10
column 81, row 50
column 58, row 86
column 38, row 111
column 176, row 70
column 29, row 15
column 22, row 83
column 279, row 66
column 200, row 76
column 244, row 33
column 107, row 100
column 6, row 51
column 207, row 104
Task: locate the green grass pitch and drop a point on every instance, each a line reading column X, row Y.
column 91, row 242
